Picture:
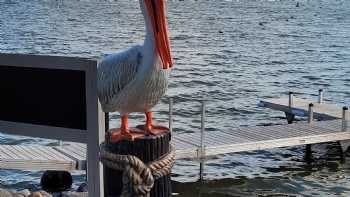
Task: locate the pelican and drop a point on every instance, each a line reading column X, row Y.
column 136, row 79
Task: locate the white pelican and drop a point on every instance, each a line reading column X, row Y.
column 136, row 79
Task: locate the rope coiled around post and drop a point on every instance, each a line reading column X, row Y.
column 138, row 177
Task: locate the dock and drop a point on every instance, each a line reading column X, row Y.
column 261, row 138
column 294, row 105
column 24, row 157
column 324, row 111
column 72, row 156
column 335, row 126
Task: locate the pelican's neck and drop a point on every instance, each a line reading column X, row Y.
column 149, row 47
column 149, row 42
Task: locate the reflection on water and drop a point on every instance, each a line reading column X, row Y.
column 232, row 53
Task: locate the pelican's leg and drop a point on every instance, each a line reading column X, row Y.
column 149, row 128
column 124, row 133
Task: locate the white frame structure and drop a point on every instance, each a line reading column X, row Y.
column 95, row 126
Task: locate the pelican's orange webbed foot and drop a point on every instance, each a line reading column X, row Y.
column 130, row 134
column 153, row 129
column 149, row 128
column 125, row 133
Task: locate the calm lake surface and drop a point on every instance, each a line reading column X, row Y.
column 230, row 53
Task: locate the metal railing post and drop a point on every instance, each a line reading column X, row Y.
column 345, row 119
column 308, row 150
column 320, row 96
column 311, row 113
column 171, row 102
column 202, row 128
column 291, row 103
column 202, row 148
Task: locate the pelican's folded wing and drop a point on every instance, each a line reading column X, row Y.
column 116, row 71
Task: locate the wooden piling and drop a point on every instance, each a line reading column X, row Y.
column 148, row 149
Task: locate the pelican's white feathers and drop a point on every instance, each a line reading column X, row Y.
column 115, row 72
column 133, row 80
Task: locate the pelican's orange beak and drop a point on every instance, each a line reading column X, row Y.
column 156, row 12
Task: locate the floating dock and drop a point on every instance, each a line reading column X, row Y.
column 72, row 156
column 24, row 157
column 322, row 111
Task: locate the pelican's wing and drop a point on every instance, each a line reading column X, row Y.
column 116, row 71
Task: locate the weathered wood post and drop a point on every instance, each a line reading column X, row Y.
column 140, row 167
column 308, row 150
column 147, row 149
column 290, row 117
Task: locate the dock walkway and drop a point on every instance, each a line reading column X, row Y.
column 72, row 156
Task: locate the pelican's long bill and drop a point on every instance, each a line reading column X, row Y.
column 156, row 11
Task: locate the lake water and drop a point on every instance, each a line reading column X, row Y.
column 230, row 53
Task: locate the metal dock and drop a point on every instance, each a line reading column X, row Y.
column 72, row 156
column 336, row 127
column 259, row 138
column 299, row 106
column 25, row 157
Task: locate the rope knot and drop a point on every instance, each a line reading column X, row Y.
column 138, row 177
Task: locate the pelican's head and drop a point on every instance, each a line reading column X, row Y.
column 156, row 11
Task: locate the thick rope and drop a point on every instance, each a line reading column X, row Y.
column 138, row 178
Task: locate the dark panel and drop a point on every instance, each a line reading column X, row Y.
column 52, row 97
